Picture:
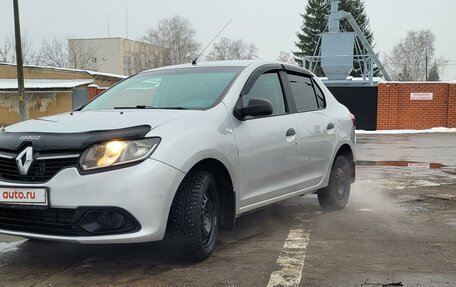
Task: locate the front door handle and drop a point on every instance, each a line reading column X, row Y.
column 330, row 126
column 291, row 132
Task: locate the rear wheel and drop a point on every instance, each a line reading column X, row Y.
column 193, row 223
column 335, row 195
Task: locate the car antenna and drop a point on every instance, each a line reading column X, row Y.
column 220, row 32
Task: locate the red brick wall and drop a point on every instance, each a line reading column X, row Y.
column 93, row 91
column 397, row 111
column 452, row 106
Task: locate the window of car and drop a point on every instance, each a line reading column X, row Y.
column 320, row 95
column 303, row 93
column 268, row 87
column 186, row 88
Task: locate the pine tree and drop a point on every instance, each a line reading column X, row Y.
column 315, row 21
column 434, row 73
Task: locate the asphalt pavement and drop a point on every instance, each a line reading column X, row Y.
column 399, row 229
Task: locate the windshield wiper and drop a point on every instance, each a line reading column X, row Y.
column 149, row 107
column 172, row 108
column 134, row 107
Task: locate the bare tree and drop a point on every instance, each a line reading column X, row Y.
column 68, row 53
column 407, row 61
column 252, row 52
column 8, row 47
column 54, row 52
column 81, row 55
column 6, row 50
column 177, row 36
column 286, row 57
column 29, row 54
column 148, row 56
column 227, row 49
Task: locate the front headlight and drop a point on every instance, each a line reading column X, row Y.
column 117, row 152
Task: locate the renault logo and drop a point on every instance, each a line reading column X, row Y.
column 24, row 160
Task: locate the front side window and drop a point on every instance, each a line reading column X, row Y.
column 187, row 88
column 268, row 87
column 303, row 93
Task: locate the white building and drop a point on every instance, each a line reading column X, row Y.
column 119, row 55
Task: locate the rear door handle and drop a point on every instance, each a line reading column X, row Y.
column 291, row 132
column 330, row 126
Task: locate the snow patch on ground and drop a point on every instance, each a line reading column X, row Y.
column 13, row 246
column 427, row 183
column 398, row 132
column 419, row 183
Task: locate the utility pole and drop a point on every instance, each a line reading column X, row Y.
column 126, row 19
column 107, row 20
column 19, row 61
column 427, row 58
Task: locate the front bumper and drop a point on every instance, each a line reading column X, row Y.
column 145, row 191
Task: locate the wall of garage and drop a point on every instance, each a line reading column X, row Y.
column 37, row 105
column 416, row 105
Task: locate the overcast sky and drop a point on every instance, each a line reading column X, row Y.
column 271, row 25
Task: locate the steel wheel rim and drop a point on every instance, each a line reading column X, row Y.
column 208, row 218
column 341, row 184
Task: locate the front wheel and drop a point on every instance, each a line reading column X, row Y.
column 193, row 223
column 335, row 195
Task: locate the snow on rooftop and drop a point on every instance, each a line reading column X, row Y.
column 418, row 82
column 398, row 132
column 350, row 78
column 11, row 84
column 92, row 73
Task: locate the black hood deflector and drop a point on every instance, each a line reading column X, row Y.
column 14, row 141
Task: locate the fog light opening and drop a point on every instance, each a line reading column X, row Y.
column 115, row 220
column 102, row 222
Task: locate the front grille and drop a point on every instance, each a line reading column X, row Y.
column 40, row 171
column 52, row 221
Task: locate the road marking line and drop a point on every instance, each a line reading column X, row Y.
column 292, row 257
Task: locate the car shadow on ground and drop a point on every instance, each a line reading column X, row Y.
column 49, row 257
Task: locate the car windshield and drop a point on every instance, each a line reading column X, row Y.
column 186, row 88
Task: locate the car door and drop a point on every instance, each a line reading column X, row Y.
column 267, row 145
column 315, row 130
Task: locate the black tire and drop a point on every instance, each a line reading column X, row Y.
column 335, row 195
column 193, row 222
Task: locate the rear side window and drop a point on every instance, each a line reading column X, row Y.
column 268, row 87
column 320, row 96
column 303, row 93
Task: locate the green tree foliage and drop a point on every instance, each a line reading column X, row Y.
column 315, row 22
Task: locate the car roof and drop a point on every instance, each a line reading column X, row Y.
column 236, row 63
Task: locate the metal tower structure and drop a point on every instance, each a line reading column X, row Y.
column 336, row 50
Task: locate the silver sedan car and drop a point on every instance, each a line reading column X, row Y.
column 177, row 153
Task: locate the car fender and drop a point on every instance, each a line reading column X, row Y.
column 203, row 135
column 339, row 144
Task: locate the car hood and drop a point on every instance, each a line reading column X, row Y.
column 87, row 121
column 74, row 131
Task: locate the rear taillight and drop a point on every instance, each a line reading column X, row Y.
column 353, row 118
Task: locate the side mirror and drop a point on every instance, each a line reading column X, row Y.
column 255, row 108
